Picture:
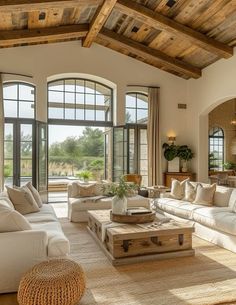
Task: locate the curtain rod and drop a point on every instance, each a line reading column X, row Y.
column 18, row 74
column 143, row 86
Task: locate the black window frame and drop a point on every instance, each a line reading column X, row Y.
column 135, row 107
column 212, row 131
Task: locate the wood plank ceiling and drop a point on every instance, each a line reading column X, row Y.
column 179, row 36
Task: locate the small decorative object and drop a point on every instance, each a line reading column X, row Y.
column 120, row 191
column 85, row 175
column 54, row 282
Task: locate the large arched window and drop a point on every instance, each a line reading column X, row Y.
column 80, row 100
column 216, row 148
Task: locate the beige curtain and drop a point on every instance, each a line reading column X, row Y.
column 154, row 156
column 1, row 136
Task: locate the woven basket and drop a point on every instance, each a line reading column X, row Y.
column 54, row 282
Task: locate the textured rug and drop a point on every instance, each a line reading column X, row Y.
column 209, row 278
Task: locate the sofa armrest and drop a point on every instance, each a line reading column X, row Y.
column 19, row 251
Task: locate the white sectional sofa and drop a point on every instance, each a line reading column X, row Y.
column 216, row 224
column 20, row 250
column 78, row 207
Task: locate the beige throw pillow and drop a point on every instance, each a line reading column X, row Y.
column 11, row 220
column 190, row 191
column 7, row 202
column 88, row 190
column 35, row 194
column 205, row 194
column 22, row 199
column 178, row 188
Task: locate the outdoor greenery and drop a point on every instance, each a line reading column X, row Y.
column 75, row 155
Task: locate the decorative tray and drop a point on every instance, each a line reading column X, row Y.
column 138, row 218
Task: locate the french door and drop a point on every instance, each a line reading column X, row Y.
column 19, row 152
column 130, row 151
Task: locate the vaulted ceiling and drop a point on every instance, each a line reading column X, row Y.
column 179, row 36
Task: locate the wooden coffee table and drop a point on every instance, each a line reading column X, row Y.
column 131, row 243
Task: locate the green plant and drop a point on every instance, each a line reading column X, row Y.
column 120, row 189
column 185, row 153
column 170, row 151
column 85, row 175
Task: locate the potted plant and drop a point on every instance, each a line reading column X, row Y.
column 185, row 154
column 171, row 155
column 85, row 175
column 120, row 191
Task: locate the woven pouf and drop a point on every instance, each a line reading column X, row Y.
column 54, row 282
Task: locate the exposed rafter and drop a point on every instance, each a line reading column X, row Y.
column 32, row 5
column 158, row 21
column 21, row 37
column 98, row 21
column 154, row 57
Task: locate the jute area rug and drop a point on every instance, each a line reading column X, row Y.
column 209, row 278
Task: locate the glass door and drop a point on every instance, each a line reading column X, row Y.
column 19, row 147
column 120, row 139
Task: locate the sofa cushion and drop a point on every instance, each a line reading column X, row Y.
column 222, row 196
column 190, row 191
column 11, row 220
column 177, row 188
column 85, row 204
column 218, row 218
column 205, row 194
column 177, row 207
column 58, row 244
column 35, row 194
column 22, row 199
column 7, row 202
column 46, row 214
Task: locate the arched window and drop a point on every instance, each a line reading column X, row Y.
column 136, row 108
column 79, row 99
column 216, row 148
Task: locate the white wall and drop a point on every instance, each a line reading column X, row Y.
column 44, row 61
column 217, row 85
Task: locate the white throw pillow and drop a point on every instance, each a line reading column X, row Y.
column 190, row 191
column 7, row 202
column 222, row 196
column 35, row 194
column 178, row 188
column 22, row 199
column 11, row 220
column 205, row 194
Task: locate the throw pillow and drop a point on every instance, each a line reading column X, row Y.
column 11, row 220
column 22, row 199
column 88, row 190
column 7, row 202
column 178, row 188
column 190, row 191
column 205, row 195
column 35, row 194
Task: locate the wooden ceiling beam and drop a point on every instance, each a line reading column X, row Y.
column 126, row 45
column 101, row 15
column 35, row 36
column 32, row 5
column 161, row 22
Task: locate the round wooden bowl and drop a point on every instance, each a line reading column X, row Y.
column 140, row 218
